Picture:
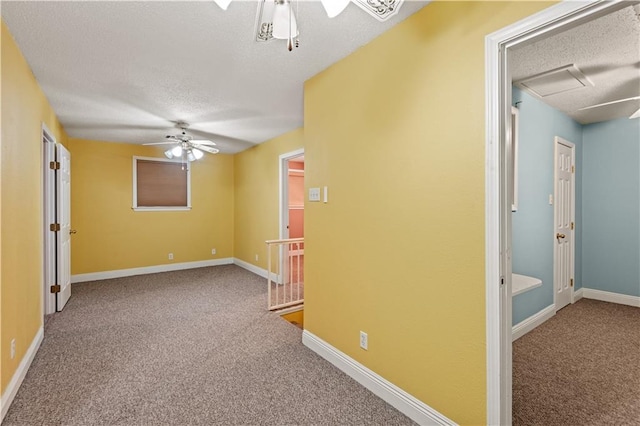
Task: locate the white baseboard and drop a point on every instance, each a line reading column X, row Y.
column 249, row 267
column 606, row 296
column 105, row 275
column 577, row 295
column 255, row 269
column 410, row 406
column 13, row 386
column 525, row 326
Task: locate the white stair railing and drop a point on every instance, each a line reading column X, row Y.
column 285, row 278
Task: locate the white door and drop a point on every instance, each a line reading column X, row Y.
column 63, row 217
column 49, row 203
column 563, row 210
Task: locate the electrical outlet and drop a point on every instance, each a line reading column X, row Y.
column 170, row 256
column 213, row 251
column 364, row 340
column 13, row 348
column 256, row 257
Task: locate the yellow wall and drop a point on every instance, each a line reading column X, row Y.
column 24, row 109
column 112, row 236
column 396, row 131
column 256, row 196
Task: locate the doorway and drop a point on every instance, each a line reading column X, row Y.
column 295, row 197
column 499, row 187
column 292, row 194
column 292, row 217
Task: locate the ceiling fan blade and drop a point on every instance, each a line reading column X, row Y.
column 334, row 7
column 227, row 144
column 224, row 4
column 161, row 143
column 610, row 103
column 208, row 149
column 202, row 142
column 636, row 114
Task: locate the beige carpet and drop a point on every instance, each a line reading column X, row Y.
column 184, row 348
column 582, row 367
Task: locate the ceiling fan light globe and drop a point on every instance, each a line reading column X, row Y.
column 169, row 154
column 197, row 153
column 190, row 156
column 177, row 151
column 281, row 13
column 334, row 7
column 224, row 4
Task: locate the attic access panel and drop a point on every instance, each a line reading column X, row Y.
column 555, row 81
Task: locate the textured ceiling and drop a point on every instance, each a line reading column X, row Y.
column 606, row 50
column 126, row 71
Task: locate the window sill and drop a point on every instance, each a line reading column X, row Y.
column 160, row 209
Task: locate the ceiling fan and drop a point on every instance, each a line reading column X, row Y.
column 617, row 101
column 277, row 20
column 186, row 148
column 332, row 7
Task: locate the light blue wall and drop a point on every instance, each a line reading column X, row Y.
column 533, row 222
column 611, row 206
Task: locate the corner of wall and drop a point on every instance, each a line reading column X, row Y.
column 256, row 196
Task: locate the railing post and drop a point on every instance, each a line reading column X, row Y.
column 268, row 276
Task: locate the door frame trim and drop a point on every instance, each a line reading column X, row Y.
column 556, row 18
column 560, row 141
column 49, row 243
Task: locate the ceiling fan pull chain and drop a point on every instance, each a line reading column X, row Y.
column 298, row 16
column 290, row 41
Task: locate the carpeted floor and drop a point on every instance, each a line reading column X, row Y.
column 581, row 367
column 185, row 347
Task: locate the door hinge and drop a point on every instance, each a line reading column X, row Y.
column 572, row 225
column 573, row 169
column 54, row 227
column 571, row 282
column 55, row 288
column 54, row 165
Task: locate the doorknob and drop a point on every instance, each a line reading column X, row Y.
column 72, row 231
column 558, row 236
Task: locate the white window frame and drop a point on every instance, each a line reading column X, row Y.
column 134, row 183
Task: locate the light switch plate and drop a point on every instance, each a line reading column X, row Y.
column 314, row 194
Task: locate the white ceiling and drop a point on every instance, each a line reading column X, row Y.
column 127, row 71
column 606, row 50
